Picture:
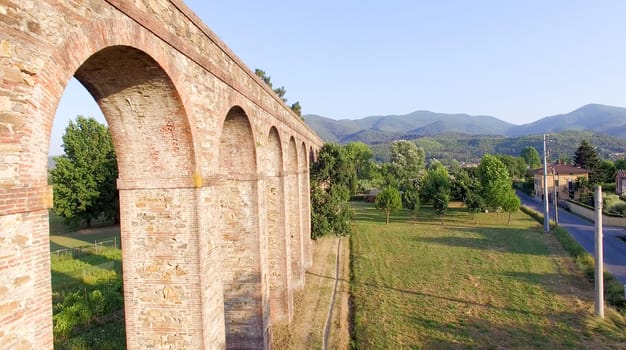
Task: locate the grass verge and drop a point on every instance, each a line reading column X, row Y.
column 613, row 290
column 467, row 282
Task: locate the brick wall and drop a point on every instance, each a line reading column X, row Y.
column 198, row 215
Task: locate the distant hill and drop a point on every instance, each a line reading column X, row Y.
column 380, row 129
column 601, row 119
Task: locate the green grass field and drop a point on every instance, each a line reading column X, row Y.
column 63, row 236
column 82, row 321
column 468, row 282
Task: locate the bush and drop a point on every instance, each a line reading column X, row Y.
column 79, row 308
column 608, row 187
column 614, row 204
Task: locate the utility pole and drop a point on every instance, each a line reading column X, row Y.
column 556, row 198
column 599, row 268
column 546, row 213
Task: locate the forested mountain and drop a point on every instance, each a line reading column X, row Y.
column 466, row 138
column 469, row 148
column 607, row 120
column 378, row 129
column 595, row 118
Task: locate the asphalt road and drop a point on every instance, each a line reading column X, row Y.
column 584, row 231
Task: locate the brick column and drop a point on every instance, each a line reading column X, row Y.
column 161, row 264
column 25, row 285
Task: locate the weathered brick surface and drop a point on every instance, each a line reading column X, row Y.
column 294, row 219
column 281, row 294
column 215, row 214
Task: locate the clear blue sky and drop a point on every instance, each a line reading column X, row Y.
column 516, row 60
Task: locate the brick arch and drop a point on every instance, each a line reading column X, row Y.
column 153, row 141
column 281, row 295
column 72, row 56
column 144, row 112
column 152, row 137
column 237, row 192
column 293, row 213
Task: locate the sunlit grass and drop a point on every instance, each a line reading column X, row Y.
column 457, row 281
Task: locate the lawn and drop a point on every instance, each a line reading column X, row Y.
column 87, row 288
column 63, row 236
column 467, row 282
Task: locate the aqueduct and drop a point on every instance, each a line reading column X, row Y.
column 213, row 173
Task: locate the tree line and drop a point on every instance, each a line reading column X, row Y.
column 84, row 179
column 408, row 180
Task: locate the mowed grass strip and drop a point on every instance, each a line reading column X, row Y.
column 462, row 281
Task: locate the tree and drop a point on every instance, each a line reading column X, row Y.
column 360, row 154
column 606, row 171
column 620, row 164
column 586, row 157
column 516, row 166
column 531, row 157
column 510, row 203
column 332, row 178
column 388, row 200
column 495, row 182
column 295, row 107
column 84, row 179
column 411, row 195
column 407, row 162
column 583, row 187
column 436, row 188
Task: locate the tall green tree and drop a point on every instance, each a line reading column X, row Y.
column 531, row 157
column 360, row 154
column 388, row 200
column 84, row 178
column 516, row 166
column 332, row 177
column 586, row 157
column 495, row 182
column 436, row 188
column 407, row 164
column 407, row 160
column 606, row 171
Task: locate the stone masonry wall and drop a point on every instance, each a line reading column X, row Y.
column 166, row 84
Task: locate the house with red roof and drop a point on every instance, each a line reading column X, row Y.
column 561, row 177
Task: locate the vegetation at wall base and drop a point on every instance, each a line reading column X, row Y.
column 88, row 304
column 418, row 283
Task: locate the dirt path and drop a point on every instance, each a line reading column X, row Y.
column 313, row 303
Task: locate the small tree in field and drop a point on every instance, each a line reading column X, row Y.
column 510, row 204
column 388, row 200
